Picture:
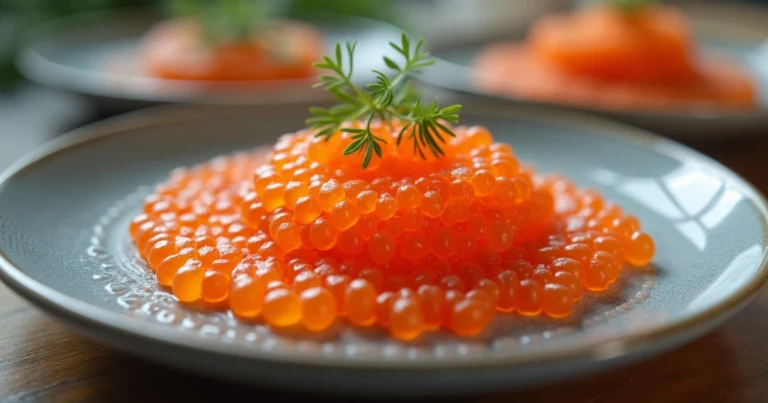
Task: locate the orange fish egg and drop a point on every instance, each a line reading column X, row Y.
column 360, row 302
column 318, row 306
column 282, row 307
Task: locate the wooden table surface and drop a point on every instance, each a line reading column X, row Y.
column 41, row 360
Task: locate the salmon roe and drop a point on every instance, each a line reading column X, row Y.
column 603, row 56
column 302, row 236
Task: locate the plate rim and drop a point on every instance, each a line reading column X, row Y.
column 71, row 310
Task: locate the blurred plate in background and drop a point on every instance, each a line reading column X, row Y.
column 462, row 20
column 96, row 54
column 734, row 30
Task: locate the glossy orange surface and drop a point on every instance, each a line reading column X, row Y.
column 409, row 244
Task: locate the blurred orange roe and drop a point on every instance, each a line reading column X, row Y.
column 604, row 57
column 301, row 235
column 176, row 49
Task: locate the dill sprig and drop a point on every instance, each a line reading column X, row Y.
column 390, row 97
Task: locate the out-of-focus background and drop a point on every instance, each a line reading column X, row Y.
column 32, row 113
column 48, row 87
column 19, row 17
column 60, row 97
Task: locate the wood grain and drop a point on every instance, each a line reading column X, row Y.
column 41, row 360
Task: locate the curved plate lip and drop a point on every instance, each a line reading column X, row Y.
column 704, row 113
column 35, row 66
column 74, row 310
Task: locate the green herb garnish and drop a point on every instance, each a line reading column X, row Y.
column 224, row 21
column 628, row 6
column 391, row 97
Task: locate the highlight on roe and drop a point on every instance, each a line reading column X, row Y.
column 384, row 212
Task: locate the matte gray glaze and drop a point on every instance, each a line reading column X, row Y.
column 74, row 54
column 719, row 28
column 64, row 246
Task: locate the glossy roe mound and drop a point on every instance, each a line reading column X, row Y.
column 301, row 235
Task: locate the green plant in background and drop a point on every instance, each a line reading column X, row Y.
column 232, row 20
column 225, row 19
column 384, row 10
column 18, row 16
column 9, row 30
column 627, row 6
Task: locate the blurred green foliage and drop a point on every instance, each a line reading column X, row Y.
column 17, row 17
column 379, row 9
column 233, row 20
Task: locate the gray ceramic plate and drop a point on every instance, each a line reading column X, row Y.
column 737, row 31
column 64, row 211
column 96, row 54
